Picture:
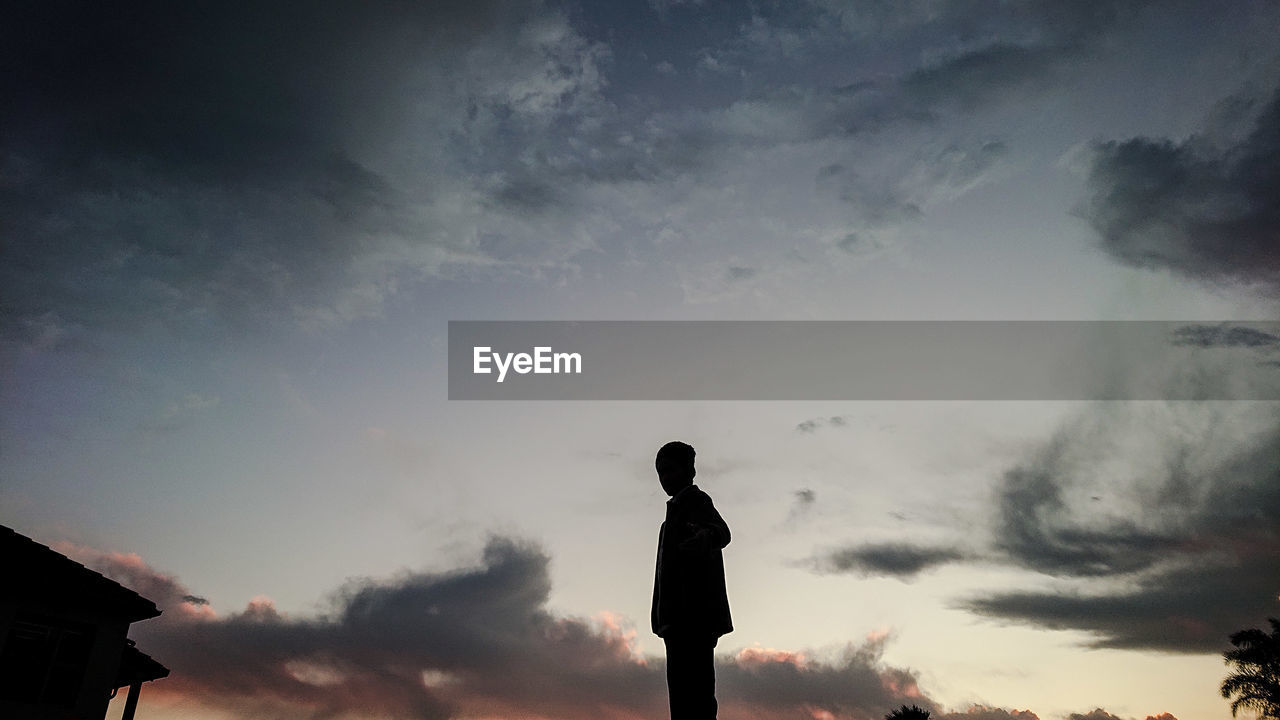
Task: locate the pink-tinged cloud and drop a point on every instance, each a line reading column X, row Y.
column 130, row 570
column 476, row 642
column 904, row 686
column 756, row 656
column 982, row 712
column 615, row 625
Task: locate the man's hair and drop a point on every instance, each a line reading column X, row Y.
column 675, row 453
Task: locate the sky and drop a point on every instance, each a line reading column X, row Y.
column 232, row 236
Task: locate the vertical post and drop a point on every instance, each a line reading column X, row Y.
column 131, row 702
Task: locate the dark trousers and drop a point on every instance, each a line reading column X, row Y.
column 691, row 677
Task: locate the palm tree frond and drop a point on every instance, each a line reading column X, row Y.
column 1255, row 678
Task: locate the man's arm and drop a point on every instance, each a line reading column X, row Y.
column 709, row 529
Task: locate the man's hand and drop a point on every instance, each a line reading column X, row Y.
column 700, row 539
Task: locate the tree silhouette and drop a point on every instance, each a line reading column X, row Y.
column 1255, row 679
column 908, row 713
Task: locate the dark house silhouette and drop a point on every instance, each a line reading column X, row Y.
column 64, row 651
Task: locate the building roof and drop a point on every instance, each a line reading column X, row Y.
column 138, row 667
column 38, row 575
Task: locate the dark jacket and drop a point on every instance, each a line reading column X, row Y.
column 689, row 594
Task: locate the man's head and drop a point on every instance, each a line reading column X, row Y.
column 675, row 466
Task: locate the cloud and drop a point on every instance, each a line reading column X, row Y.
column 216, row 167
column 982, row 712
column 812, row 424
column 473, row 641
column 802, row 506
column 1159, row 524
column 662, row 7
column 1186, row 537
column 195, row 164
column 874, row 203
column 1203, row 211
column 900, row 560
column 1095, row 714
column 1037, row 530
column 421, row 645
column 886, row 198
column 1034, row 43
column 979, row 76
column 851, row 687
column 130, row 570
column 1207, row 336
column 973, row 55
column 177, row 413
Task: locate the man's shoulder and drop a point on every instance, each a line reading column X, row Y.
column 694, row 495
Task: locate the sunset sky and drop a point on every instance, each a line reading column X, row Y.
column 232, row 236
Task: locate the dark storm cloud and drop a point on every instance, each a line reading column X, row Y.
column 1207, row 212
column 1199, row 550
column 475, row 641
column 193, row 163
column 900, row 560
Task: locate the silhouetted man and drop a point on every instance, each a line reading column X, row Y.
column 690, row 605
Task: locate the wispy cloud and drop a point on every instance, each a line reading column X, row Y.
column 1220, row 336
column 1158, row 522
column 1196, row 540
column 901, row 560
